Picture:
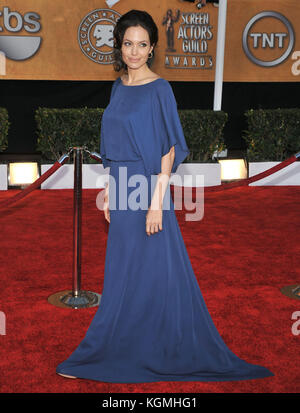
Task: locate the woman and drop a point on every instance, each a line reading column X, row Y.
column 152, row 323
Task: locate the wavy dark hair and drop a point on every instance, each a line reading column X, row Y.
column 130, row 19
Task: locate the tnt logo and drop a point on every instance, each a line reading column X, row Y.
column 2, row 324
column 19, row 47
column 268, row 39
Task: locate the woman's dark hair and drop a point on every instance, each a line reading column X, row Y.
column 130, row 19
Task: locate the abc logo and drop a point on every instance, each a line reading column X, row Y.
column 19, row 47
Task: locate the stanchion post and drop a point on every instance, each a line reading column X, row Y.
column 76, row 298
column 77, row 214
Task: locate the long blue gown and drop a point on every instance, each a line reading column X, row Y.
column 152, row 323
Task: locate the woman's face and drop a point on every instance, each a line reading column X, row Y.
column 136, row 47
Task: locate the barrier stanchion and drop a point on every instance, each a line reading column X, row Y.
column 76, row 298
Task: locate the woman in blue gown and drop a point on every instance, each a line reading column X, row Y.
column 152, row 323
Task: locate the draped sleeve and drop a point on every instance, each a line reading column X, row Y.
column 102, row 132
column 142, row 122
column 167, row 126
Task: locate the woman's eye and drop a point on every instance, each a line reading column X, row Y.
column 127, row 43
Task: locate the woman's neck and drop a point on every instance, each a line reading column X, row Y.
column 133, row 77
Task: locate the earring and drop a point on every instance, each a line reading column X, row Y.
column 149, row 57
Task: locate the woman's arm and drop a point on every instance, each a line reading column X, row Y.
column 154, row 214
column 106, row 203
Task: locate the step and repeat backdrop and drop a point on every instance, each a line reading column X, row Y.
column 73, row 39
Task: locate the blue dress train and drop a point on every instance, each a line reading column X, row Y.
column 152, row 323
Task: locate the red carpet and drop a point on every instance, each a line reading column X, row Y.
column 244, row 250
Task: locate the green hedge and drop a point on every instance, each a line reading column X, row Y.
column 272, row 134
column 203, row 130
column 60, row 129
column 4, row 125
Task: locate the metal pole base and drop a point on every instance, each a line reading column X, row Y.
column 66, row 299
column 292, row 291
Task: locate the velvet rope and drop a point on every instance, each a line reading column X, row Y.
column 31, row 187
column 257, row 177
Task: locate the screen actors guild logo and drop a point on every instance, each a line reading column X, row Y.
column 19, row 47
column 194, row 33
column 95, row 35
column 280, row 43
column 169, row 21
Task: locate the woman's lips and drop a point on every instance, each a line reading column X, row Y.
column 134, row 60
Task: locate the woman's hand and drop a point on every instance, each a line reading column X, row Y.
column 155, row 211
column 106, row 204
column 153, row 220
